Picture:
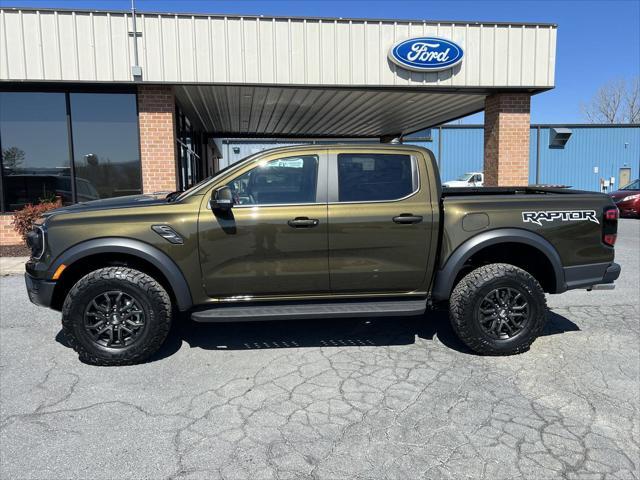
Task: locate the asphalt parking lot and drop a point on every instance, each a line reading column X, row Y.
column 386, row 398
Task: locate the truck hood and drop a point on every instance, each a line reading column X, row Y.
column 112, row 203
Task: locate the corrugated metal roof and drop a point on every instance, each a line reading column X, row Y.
column 264, row 111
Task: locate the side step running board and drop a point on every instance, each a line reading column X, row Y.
column 245, row 313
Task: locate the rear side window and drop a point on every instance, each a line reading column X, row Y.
column 375, row 177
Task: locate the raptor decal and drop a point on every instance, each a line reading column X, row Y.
column 562, row 215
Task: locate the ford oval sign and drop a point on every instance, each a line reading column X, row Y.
column 426, row 54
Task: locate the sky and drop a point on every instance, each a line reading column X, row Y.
column 598, row 40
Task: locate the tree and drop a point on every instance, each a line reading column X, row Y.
column 12, row 158
column 615, row 102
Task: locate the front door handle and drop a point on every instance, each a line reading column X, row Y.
column 303, row 222
column 407, row 218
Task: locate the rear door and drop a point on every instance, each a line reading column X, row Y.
column 380, row 221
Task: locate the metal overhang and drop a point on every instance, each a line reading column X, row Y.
column 278, row 111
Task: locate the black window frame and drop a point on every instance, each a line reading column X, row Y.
column 67, row 91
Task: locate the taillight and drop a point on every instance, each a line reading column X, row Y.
column 610, row 226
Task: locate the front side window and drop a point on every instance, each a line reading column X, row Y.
column 35, row 148
column 287, row 180
column 375, row 177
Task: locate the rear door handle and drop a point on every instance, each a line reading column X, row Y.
column 407, row 218
column 303, row 222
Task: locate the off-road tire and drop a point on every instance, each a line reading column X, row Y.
column 151, row 296
column 473, row 288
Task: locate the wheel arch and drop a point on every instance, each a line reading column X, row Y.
column 445, row 278
column 100, row 252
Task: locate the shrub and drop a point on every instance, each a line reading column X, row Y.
column 24, row 218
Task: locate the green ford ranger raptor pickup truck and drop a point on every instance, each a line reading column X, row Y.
column 318, row 232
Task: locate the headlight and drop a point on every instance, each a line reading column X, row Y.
column 35, row 242
column 630, row 197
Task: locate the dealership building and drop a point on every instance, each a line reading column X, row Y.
column 97, row 104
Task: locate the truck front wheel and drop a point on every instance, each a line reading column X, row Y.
column 498, row 309
column 116, row 316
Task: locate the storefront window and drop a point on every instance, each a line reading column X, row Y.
column 35, row 148
column 105, row 145
column 38, row 163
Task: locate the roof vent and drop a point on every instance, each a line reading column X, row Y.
column 558, row 137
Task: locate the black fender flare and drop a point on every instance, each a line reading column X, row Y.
column 443, row 282
column 136, row 248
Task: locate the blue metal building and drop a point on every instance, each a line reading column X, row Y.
column 582, row 156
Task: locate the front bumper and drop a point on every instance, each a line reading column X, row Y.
column 40, row 291
column 586, row 276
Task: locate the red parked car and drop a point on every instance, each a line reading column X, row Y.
column 628, row 199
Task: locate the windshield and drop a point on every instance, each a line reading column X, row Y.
column 635, row 185
column 465, row 177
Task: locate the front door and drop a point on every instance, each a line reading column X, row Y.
column 273, row 242
column 380, row 222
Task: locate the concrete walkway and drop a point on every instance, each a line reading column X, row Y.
column 12, row 265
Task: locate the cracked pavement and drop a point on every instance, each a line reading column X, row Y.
column 347, row 398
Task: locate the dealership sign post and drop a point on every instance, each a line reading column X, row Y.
column 426, row 54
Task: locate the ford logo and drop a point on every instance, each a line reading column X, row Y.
column 426, row 54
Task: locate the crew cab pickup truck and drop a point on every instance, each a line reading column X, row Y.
column 318, row 232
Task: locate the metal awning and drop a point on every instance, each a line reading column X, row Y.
column 328, row 112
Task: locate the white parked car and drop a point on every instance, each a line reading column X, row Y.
column 469, row 179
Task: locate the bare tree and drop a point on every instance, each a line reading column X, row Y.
column 615, row 102
column 12, row 158
column 632, row 101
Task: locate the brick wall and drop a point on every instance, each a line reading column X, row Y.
column 8, row 236
column 506, row 139
column 156, row 109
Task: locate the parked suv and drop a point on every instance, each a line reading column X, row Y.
column 319, row 232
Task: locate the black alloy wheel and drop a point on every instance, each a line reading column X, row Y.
column 116, row 316
column 498, row 309
column 503, row 313
column 114, row 319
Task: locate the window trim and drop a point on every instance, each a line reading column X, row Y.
column 321, row 180
column 334, row 191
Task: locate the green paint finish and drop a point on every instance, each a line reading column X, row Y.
column 322, row 248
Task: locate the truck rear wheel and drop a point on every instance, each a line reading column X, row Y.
column 116, row 316
column 498, row 309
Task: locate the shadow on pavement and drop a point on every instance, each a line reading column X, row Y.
column 343, row 332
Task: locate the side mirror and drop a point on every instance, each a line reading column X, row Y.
column 221, row 199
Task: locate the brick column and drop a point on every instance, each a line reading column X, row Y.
column 8, row 236
column 156, row 116
column 506, row 139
